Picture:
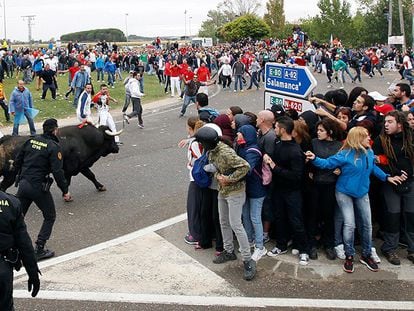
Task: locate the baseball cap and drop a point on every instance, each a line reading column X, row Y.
column 377, row 96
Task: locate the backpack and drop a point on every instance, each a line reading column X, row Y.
column 266, row 172
column 208, row 114
column 201, row 177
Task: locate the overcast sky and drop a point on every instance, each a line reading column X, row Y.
column 147, row 18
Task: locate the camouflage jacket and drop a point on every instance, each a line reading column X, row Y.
column 228, row 163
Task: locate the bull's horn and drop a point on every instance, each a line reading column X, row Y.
column 110, row 133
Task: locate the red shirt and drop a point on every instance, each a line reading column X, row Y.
column 167, row 69
column 175, row 71
column 72, row 71
column 203, row 74
column 97, row 96
column 189, row 75
column 184, row 68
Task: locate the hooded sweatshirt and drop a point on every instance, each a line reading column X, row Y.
column 251, row 153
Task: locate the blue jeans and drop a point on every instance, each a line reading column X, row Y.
column 352, row 208
column 238, row 79
column 187, row 101
column 408, row 75
column 31, row 125
column 253, row 80
column 111, row 78
column 99, row 74
column 141, row 84
column 252, row 220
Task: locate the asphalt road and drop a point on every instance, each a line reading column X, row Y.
column 147, row 183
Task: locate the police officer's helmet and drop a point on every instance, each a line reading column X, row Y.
column 208, row 137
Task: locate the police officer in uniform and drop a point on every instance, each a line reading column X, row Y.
column 15, row 248
column 40, row 156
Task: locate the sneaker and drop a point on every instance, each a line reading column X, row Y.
column 349, row 264
column 410, row 257
column 303, row 259
column 141, row 126
column 119, row 143
column 190, row 240
column 224, row 257
column 313, row 254
column 42, row 253
column 295, row 252
column 181, row 115
column 126, row 118
column 259, row 253
column 369, row 262
column 392, row 258
column 276, row 252
column 340, row 252
column 374, row 255
column 249, row 269
column 330, row 253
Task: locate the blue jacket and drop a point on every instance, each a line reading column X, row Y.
column 20, row 101
column 355, row 171
column 80, row 79
column 100, row 63
column 110, row 67
column 251, row 153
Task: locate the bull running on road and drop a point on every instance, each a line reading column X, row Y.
column 81, row 148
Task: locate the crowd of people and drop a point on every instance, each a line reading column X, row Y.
column 301, row 180
column 322, row 188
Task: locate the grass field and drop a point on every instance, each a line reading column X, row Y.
column 62, row 108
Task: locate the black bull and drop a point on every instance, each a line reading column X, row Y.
column 81, row 148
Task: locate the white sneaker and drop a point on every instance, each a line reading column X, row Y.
column 303, row 259
column 276, row 252
column 374, row 255
column 340, row 252
column 295, row 251
column 259, row 253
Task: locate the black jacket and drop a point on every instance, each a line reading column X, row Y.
column 13, row 232
column 41, row 155
column 290, row 165
column 402, row 163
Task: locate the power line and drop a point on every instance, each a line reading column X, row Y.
column 30, row 22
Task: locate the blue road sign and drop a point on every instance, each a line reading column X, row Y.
column 289, row 80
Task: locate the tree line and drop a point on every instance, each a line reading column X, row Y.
column 108, row 34
column 235, row 19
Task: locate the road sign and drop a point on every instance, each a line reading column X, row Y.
column 288, row 102
column 289, row 80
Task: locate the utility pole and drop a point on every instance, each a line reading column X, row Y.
column 185, row 26
column 402, row 24
column 30, row 20
column 389, row 18
column 4, row 19
column 126, row 26
column 412, row 27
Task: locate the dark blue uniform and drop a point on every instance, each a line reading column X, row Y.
column 15, row 247
column 40, row 156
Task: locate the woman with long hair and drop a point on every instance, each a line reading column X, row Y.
column 356, row 161
column 323, row 211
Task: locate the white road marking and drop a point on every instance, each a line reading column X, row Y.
column 122, row 239
column 247, row 302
